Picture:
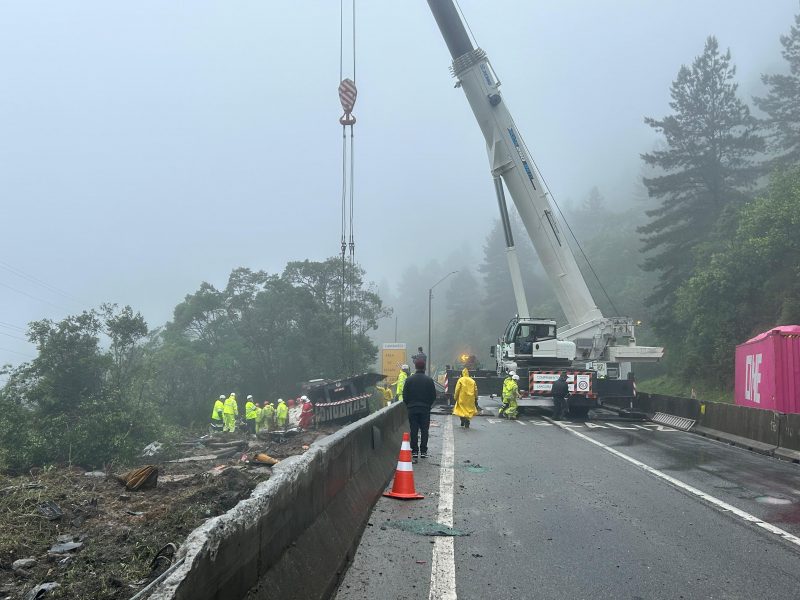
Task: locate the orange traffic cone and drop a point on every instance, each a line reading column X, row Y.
column 403, row 486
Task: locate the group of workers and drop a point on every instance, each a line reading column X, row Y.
column 399, row 385
column 466, row 397
column 266, row 417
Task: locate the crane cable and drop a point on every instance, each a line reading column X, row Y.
column 347, row 97
column 569, row 228
column 547, row 187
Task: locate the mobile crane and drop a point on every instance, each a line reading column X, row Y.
column 597, row 351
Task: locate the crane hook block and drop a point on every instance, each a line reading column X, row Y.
column 347, row 96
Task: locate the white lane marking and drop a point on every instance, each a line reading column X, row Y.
column 621, row 427
column 520, row 422
column 493, row 421
column 595, row 426
column 720, row 504
column 545, row 423
column 443, row 563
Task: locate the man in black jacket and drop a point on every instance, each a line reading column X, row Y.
column 560, row 391
column 419, row 393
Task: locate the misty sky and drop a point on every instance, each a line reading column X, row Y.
column 148, row 146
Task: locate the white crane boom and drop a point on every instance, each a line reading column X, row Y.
column 596, row 337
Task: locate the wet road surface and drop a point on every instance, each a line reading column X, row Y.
column 539, row 512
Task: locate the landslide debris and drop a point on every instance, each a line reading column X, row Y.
column 69, row 533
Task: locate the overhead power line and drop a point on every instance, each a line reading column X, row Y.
column 10, row 326
column 16, row 337
column 33, row 279
column 15, row 352
column 13, row 289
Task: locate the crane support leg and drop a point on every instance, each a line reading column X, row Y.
column 511, row 251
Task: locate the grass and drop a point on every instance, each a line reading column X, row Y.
column 668, row 386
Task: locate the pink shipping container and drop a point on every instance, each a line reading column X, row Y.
column 768, row 370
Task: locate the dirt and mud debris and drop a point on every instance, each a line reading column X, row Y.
column 109, row 542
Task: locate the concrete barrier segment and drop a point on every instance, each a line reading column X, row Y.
column 294, row 536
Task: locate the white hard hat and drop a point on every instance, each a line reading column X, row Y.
column 280, row 399
column 233, row 393
column 404, row 367
column 515, row 377
column 222, row 396
column 512, row 373
column 304, row 398
column 249, row 396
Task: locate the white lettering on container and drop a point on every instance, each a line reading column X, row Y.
column 752, row 378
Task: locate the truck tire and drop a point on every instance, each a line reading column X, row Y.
column 579, row 412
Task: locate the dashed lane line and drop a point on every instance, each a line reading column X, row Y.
column 443, row 563
column 716, row 502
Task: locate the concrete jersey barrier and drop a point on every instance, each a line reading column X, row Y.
column 294, row 536
column 766, row 431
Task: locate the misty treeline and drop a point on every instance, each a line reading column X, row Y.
column 103, row 384
column 706, row 256
column 723, row 235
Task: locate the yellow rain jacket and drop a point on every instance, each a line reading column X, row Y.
column 231, row 407
column 216, row 413
column 386, row 392
column 250, row 410
column 466, row 396
column 268, row 415
column 401, row 382
column 282, row 413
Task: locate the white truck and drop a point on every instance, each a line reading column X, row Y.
column 603, row 346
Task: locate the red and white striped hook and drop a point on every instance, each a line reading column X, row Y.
column 347, row 96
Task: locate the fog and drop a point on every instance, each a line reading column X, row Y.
column 147, row 147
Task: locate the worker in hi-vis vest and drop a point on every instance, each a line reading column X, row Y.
column 282, row 414
column 229, row 413
column 216, row 413
column 250, row 414
column 401, row 381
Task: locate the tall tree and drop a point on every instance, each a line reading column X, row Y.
column 702, row 172
column 750, row 284
column 782, row 102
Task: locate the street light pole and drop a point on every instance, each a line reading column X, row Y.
column 430, row 304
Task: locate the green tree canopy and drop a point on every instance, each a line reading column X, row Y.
column 782, row 102
column 702, row 172
column 750, row 284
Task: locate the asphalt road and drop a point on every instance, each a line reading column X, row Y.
column 596, row 509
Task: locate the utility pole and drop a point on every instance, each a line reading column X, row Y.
column 430, row 304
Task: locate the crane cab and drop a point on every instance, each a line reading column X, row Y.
column 532, row 342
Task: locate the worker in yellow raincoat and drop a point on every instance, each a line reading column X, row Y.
column 508, row 383
column 250, row 415
column 217, row 413
column 401, row 381
column 386, row 395
column 259, row 410
column 466, row 397
column 268, row 416
column 510, row 396
column 282, row 414
column 229, row 413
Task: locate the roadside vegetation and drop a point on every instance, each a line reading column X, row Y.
column 104, row 384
